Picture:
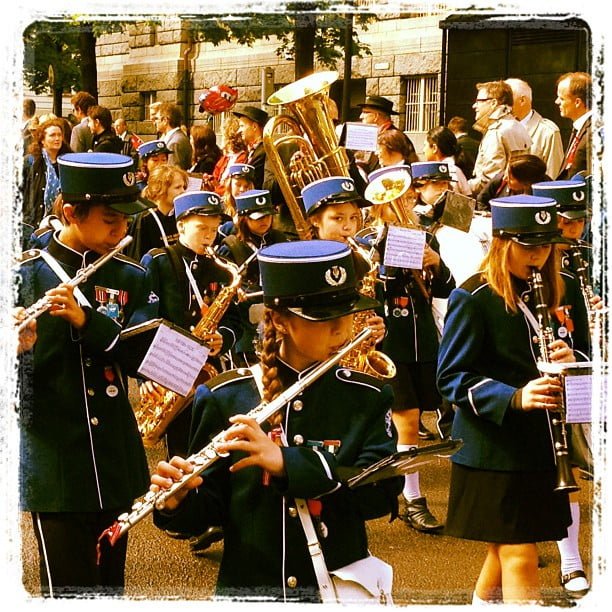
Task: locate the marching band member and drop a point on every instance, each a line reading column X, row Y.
column 310, row 295
column 187, row 282
column 156, row 227
column 504, row 476
column 255, row 213
column 571, row 198
column 152, row 154
column 81, row 458
column 240, row 178
column 412, row 343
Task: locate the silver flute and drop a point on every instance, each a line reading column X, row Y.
column 44, row 303
column 204, row 458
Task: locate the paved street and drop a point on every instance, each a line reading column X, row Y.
column 428, row 569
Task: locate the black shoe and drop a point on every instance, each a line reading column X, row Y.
column 200, row 543
column 176, row 535
column 424, row 433
column 574, row 593
column 416, row 514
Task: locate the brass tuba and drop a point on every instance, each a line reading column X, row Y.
column 364, row 357
column 154, row 416
column 304, row 147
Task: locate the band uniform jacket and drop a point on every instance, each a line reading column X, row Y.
column 177, row 299
column 264, row 540
column 546, row 142
column 80, row 446
column 486, row 354
column 582, row 157
column 412, row 335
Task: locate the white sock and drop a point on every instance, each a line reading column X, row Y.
column 412, row 489
column 568, row 547
column 476, row 601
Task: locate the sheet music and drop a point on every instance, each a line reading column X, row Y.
column 578, row 395
column 405, row 248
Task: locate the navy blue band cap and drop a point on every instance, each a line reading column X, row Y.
column 101, row 178
column 330, row 190
column 313, row 279
column 571, row 196
column 198, row 203
column 242, row 170
column 526, row 219
column 430, row 171
column 255, row 203
column 153, row 147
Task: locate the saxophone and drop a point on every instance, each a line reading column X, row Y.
column 364, row 357
column 565, row 477
column 153, row 416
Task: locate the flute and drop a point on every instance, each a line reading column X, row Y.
column 205, row 457
column 44, row 303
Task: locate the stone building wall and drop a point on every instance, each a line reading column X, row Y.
column 153, row 58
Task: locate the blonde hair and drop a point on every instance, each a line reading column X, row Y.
column 160, row 179
column 495, row 269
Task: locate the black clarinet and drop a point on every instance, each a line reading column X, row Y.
column 565, row 476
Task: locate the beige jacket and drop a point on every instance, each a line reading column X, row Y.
column 546, row 142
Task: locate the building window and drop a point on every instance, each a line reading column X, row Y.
column 422, row 102
column 146, row 99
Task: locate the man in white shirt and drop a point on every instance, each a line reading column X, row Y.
column 545, row 134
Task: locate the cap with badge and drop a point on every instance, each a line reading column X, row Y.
column 101, row 178
column 430, row 171
column 313, row 279
column 255, row 204
column 198, row 203
column 254, row 114
column 153, row 147
column 380, row 103
column 330, row 190
column 571, row 196
column 245, row 171
column 526, row 219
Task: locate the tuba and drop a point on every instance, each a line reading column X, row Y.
column 303, row 148
column 364, row 357
column 154, row 416
column 392, row 188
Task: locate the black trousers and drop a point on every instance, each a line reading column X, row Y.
column 67, row 546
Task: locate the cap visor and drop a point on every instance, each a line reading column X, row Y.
column 572, row 214
column 134, row 207
column 260, row 214
column 334, row 311
column 541, row 239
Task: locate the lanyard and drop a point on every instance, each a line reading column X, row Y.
column 161, row 228
column 193, row 284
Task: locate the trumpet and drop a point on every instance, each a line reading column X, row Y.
column 565, row 477
column 44, row 303
column 309, row 138
column 207, row 456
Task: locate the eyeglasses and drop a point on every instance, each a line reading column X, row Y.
column 482, row 100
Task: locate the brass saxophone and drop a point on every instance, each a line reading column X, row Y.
column 153, row 416
column 364, row 357
column 565, row 477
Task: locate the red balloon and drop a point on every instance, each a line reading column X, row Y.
column 217, row 99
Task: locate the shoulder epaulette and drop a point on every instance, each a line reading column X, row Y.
column 474, row 282
column 128, row 260
column 29, row 255
column 225, row 378
column 156, row 252
column 359, row 378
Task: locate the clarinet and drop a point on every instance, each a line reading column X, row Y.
column 207, row 456
column 580, row 269
column 565, row 477
column 43, row 304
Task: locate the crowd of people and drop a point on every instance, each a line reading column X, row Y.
column 215, row 251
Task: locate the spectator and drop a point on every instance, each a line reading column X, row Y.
column 441, row 145
column 101, row 126
column 251, row 124
column 395, row 148
column 131, row 141
column 206, row 153
column 459, row 127
column 168, row 124
column 574, row 102
column 27, row 130
column 81, row 138
column 503, row 135
column 41, row 183
column 545, row 135
column 520, row 174
column 234, row 152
